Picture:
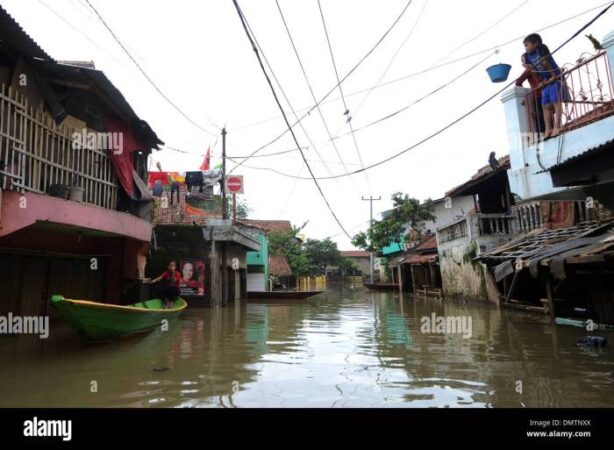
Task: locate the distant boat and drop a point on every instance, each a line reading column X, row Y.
column 102, row 322
column 281, row 295
column 381, row 286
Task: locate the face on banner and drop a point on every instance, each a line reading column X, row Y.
column 192, row 277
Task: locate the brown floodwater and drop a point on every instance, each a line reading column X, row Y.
column 346, row 348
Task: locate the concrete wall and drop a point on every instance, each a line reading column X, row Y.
column 448, row 212
column 461, row 276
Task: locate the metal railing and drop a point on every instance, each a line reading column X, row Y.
column 586, row 90
column 35, row 155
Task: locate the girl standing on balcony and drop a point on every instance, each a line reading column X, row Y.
column 553, row 91
column 535, row 96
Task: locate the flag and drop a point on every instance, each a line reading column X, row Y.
column 206, row 165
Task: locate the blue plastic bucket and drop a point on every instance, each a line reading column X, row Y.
column 499, row 72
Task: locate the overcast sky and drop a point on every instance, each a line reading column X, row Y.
column 199, row 56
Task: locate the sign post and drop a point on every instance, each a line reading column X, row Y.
column 234, row 185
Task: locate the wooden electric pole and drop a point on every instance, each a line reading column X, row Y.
column 371, row 200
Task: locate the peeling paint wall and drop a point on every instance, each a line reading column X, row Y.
column 463, row 277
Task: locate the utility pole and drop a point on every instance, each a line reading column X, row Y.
column 224, row 216
column 223, row 187
column 371, row 200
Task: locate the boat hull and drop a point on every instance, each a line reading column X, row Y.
column 100, row 322
column 381, row 287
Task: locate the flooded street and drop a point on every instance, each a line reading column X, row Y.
column 346, row 348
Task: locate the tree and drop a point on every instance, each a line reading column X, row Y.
column 288, row 245
column 308, row 259
column 321, row 254
column 407, row 212
column 347, row 266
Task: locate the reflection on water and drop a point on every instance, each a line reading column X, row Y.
column 346, row 348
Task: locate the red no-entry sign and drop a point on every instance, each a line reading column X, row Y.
column 234, row 184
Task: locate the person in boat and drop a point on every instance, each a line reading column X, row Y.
column 169, row 281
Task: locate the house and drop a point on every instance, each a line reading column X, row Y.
column 275, row 266
column 560, row 261
column 484, row 222
column 361, row 258
column 74, row 209
column 218, row 248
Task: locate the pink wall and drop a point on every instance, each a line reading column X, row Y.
column 44, row 208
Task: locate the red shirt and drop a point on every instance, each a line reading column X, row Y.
column 533, row 81
column 176, row 277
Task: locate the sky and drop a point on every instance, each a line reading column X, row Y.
column 199, row 56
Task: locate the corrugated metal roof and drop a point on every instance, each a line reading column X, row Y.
column 580, row 156
column 112, row 95
column 13, row 37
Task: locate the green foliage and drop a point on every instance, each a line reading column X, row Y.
column 347, row 266
column 308, row 259
column 407, row 211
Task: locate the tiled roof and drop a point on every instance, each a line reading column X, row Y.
column 421, row 259
column 430, row 243
column 354, row 254
column 486, row 171
column 269, row 225
column 278, row 266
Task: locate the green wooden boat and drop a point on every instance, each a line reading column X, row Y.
column 101, row 322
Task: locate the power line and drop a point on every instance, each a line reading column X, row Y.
column 484, row 31
column 188, row 118
column 345, row 106
column 424, row 97
column 381, row 39
column 313, row 95
column 283, row 92
column 435, row 67
column 245, row 27
column 396, row 53
column 455, row 121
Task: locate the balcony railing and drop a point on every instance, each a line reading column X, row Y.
column 590, row 94
column 457, row 230
column 478, row 225
column 539, row 214
column 35, row 155
column 495, row 224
